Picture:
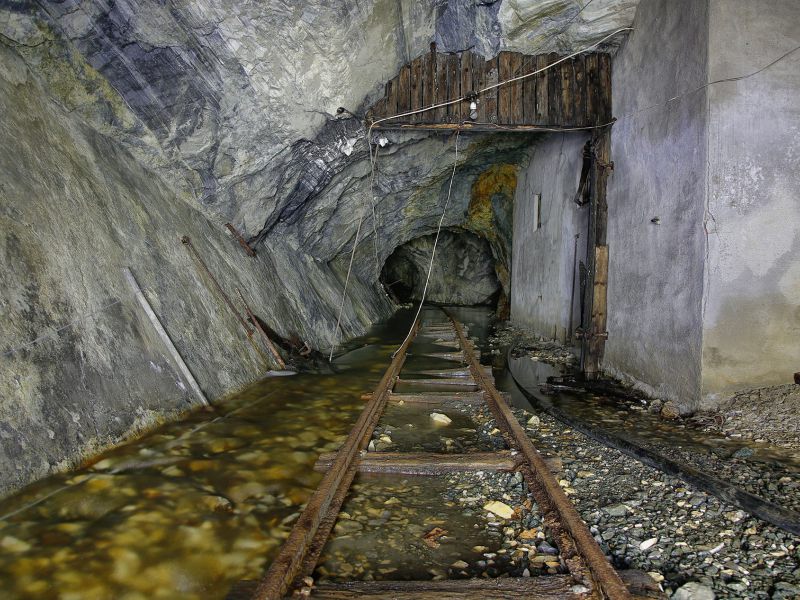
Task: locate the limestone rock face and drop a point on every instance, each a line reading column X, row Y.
column 463, row 269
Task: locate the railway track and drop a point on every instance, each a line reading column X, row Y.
column 585, row 573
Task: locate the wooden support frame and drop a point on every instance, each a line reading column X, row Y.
column 593, row 330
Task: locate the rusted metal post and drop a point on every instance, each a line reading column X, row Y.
column 186, row 241
column 242, row 242
column 254, row 320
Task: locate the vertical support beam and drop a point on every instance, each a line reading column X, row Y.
column 429, row 85
column 440, row 115
column 594, row 329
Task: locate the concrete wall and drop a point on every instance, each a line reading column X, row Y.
column 543, row 259
column 659, row 151
column 751, row 312
column 80, row 368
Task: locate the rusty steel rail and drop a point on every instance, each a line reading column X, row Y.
column 298, row 557
column 546, row 490
column 300, row 551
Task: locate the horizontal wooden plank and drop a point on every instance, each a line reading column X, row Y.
column 425, row 463
column 437, row 399
column 508, row 588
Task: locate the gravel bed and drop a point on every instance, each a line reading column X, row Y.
column 650, row 521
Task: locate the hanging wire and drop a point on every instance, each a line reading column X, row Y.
column 435, row 242
column 346, row 282
column 373, row 162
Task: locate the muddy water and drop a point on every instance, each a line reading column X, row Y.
column 196, row 505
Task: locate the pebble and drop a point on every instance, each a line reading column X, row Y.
column 440, row 418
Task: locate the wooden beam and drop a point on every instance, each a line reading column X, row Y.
column 440, row 115
column 428, row 86
column 417, row 84
column 604, row 85
column 428, row 463
column 554, row 89
column 592, row 97
column 454, row 87
column 164, row 336
column 515, row 89
column 567, row 93
column 391, row 97
column 529, row 90
column 490, row 77
column 436, row 399
column 555, row 587
column 542, row 93
column 579, row 91
column 404, row 90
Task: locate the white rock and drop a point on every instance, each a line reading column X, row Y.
column 501, row 509
column 460, row 564
column 534, row 421
column 441, row 419
column 647, row 544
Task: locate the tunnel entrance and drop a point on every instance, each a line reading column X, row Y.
column 463, row 271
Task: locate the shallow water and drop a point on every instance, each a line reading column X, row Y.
column 194, row 506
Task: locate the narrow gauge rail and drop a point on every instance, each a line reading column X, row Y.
column 589, row 573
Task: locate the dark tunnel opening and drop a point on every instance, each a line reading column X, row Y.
column 463, row 272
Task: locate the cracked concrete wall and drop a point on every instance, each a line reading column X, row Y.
column 751, row 309
column 655, row 280
column 543, row 258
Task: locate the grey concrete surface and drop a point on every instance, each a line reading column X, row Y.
column 751, row 310
column 543, row 259
column 658, row 147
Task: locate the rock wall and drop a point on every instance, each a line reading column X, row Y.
column 128, row 124
column 463, row 271
column 544, row 257
column 81, row 367
column 751, row 309
column 658, row 145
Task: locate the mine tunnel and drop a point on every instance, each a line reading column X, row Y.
column 454, row 299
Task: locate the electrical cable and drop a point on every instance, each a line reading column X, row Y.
column 373, row 161
column 433, row 252
column 346, row 282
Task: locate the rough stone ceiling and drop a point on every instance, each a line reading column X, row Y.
column 232, row 101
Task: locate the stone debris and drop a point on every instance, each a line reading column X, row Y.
column 502, row 510
column 441, row 419
column 693, row 591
